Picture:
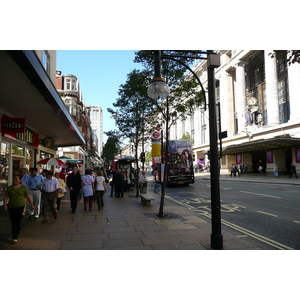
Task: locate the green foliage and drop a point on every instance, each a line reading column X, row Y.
column 112, row 146
column 291, row 56
column 132, row 106
column 185, row 96
column 186, row 136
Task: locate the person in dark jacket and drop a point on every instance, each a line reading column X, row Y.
column 293, row 171
column 119, row 184
column 74, row 186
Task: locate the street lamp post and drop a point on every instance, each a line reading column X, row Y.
column 216, row 235
column 213, row 61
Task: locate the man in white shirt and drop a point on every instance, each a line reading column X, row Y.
column 50, row 188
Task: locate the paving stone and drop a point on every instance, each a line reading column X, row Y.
column 126, row 242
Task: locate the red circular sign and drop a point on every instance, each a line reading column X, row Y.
column 156, row 135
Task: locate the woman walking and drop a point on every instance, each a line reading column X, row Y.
column 14, row 202
column 88, row 189
column 62, row 189
column 100, row 188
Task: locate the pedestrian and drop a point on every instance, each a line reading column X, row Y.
column 35, row 189
column 14, row 202
column 88, row 189
column 143, row 182
column 43, row 174
column 80, row 192
column 62, row 174
column 293, row 171
column 275, row 170
column 119, row 184
column 245, row 170
column 112, row 183
column 24, row 181
column 100, row 188
column 232, row 170
column 61, row 191
column 241, row 169
column 74, row 185
column 236, row 170
column 50, row 189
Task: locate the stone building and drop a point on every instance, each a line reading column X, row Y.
column 258, row 97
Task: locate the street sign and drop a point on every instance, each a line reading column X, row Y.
column 156, row 135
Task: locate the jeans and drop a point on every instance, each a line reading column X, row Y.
column 15, row 218
column 99, row 195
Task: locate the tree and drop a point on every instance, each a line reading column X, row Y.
column 132, row 109
column 112, row 146
column 291, row 56
column 185, row 97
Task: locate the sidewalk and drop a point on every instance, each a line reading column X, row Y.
column 282, row 179
column 126, row 224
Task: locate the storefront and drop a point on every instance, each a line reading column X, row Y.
column 266, row 153
column 34, row 119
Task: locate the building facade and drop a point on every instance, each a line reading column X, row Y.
column 257, row 99
column 68, row 87
column 34, row 119
column 96, row 117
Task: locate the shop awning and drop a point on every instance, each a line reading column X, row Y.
column 263, row 144
column 27, row 92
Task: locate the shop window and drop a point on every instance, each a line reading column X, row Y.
column 17, row 150
column 4, row 167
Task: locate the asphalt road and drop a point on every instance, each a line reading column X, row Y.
column 268, row 213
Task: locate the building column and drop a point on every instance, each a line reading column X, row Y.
column 271, row 88
column 240, row 95
column 294, row 90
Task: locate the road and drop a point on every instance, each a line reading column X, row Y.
column 266, row 212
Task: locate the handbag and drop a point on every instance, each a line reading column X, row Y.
column 64, row 190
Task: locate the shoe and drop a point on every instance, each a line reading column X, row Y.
column 45, row 221
column 73, row 211
column 85, row 208
column 13, row 242
column 55, row 215
column 35, row 217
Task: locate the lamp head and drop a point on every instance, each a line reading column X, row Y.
column 158, row 89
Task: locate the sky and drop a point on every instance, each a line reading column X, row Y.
column 100, row 74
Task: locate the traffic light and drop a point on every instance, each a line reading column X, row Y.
column 143, row 157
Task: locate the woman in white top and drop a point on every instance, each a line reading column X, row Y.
column 100, row 188
column 88, row 189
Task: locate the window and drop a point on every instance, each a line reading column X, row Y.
column 71, row 84
column 74, row 85
column 68, row 84
column 46, row 61
column 283, row 91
